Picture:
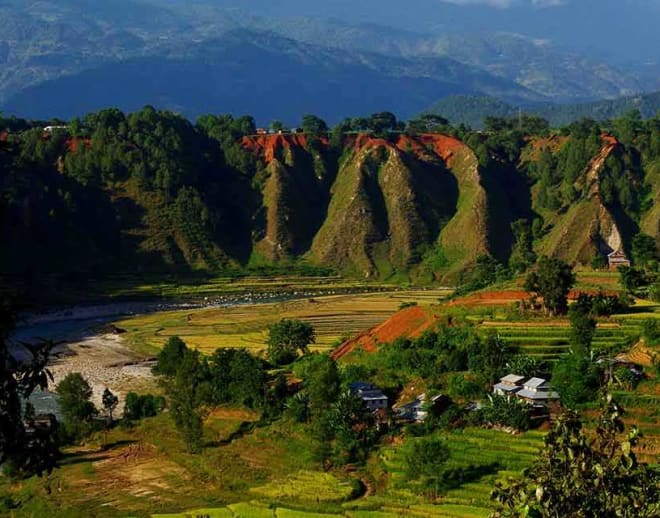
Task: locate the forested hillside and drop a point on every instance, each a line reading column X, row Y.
column 152, row 193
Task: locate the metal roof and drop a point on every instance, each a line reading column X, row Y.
column 535, row 382
column 512, row 378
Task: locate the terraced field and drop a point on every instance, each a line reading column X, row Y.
column 488, row 455
column 333, row 318
column 548, row 339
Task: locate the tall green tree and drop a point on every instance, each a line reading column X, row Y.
column 322, row 383
column 584, row 474
column 170, row 356
column 286, row 338
column 110, row 402
column 552, row 280
column 313, row 125
column 644, row 249
column 186, row 393
column 74, row 397
column 522, row 253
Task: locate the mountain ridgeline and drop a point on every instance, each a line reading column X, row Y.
column 152, row 193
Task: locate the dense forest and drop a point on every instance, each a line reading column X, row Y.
column 152, row 193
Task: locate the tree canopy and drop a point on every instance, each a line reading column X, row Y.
column 552, row 280
column 585, row 475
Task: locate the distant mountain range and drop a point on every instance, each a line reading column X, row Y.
column 67, row 57
column 471, row 110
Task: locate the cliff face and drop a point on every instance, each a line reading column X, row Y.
column 590, row 226
column 417, row 206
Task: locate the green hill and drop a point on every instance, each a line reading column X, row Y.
column 150, row 193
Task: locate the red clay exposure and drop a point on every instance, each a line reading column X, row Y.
column 410, row 322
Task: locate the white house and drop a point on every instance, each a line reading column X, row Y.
column 537, row 391
column 508, row 385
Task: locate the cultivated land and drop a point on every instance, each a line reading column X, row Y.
column 250, row 470
column 333, row 317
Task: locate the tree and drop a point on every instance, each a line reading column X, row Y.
column 74, row 394
column 382, row 124
column 322, row 383
column 110, row 402
column 489, row 357
column 525, row 365
column 139, row 406
column 522, row 254
column 18, row 380
column 426, row 459
column 277, row 125
column 583, row 326
column 186, row 400
column 644, row 249
column 427, row 123
column 286, row 338
column 170, row 356
column 552, row 280
column 632, row 278
column 313, row 125
column 585, row 474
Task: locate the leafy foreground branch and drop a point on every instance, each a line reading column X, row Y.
column 584, row 474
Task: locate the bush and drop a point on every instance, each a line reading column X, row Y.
column 507, row 411
column 138, row 406
column 650, row 330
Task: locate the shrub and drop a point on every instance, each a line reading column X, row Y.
column 138, row 406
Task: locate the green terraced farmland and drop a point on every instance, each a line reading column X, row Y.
column 488, row 454
column 548, row 340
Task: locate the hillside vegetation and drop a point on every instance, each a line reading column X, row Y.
column 152, row 193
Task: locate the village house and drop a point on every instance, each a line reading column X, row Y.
column 508, row 385
column 617, row 259
column 537, row 392
column 417, row 410
column 372, row 397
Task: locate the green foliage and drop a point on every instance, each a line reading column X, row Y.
column 18, row 380
column 170, row 357
column 583, row 326
column 651, row 330
column 489, row 357
column 486, row 271
column 525, row 365
column 235, row 376
column 73, row 395
column 286, row 338
column 322, row 383
column 507, row 411
column 552, row 280
column 348, row 426
column 313, row 125
column 632, row 278
column 186, row 400
column 644, row 249
column 522, row 254
column 584, row 474
column 140, row 406
column 426, row 459
column 428, row 123
column 110, row 402
column 577, row 380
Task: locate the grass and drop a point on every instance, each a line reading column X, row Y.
column 306, row 485
column 333, row 317
column 489, row 454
